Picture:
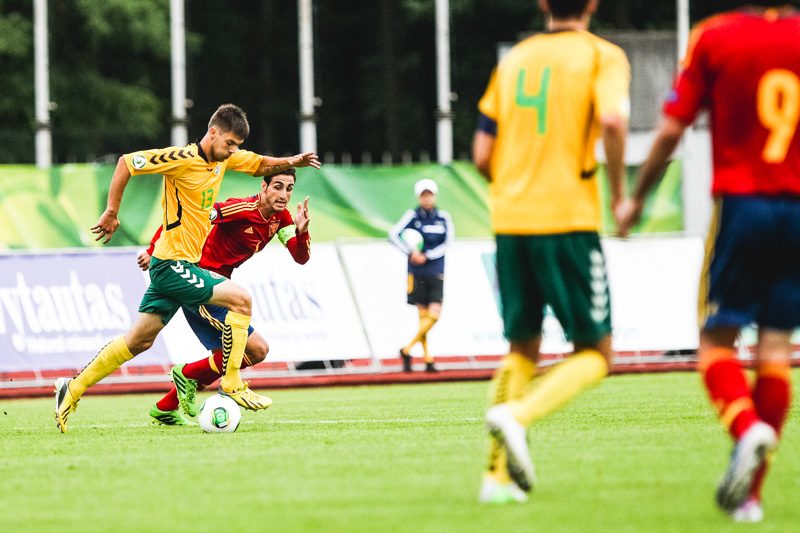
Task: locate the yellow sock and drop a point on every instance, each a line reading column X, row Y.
column 426, row 355
column 510, row 381
column 426, row 322
column 560, row 385
column 234, row 339
column 108, row 359
column 213, row 365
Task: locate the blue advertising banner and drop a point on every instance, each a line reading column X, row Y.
column 58, row 310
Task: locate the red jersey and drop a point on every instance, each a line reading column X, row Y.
column 239, row 230
column 745, row 67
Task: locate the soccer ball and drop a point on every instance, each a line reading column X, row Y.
column 219, row 414
column 412, row 238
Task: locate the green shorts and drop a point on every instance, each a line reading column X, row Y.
column 565, row 271
column 176, row 283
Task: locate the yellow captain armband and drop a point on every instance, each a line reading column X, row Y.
column 286, row 233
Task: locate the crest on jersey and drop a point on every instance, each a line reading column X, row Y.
column 138, row 161
column 216, row 170
column 273, row 227
column 215, row 275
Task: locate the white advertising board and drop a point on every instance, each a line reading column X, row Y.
column 653, row 285
column 305, row 312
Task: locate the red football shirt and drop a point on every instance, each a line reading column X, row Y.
column 239, row 230
column 744, row 66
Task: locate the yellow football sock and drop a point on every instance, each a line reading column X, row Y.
column 565, row 381
column 510, row 381
column 426, row 355
column 234, row 339
column 213, row 364
column 426, row 322
column 108, row 359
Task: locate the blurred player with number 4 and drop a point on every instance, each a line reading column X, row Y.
column 547, row 102
column 744, row 66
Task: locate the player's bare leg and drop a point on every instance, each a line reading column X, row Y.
column 586, row 367
column 190, row 378
column 234, row 340
column 113, row 355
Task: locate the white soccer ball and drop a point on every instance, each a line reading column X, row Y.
column 412, row 238
column 219, row 414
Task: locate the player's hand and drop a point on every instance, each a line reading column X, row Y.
column 302, row 219
column 627, row 213
column 106, row 226
column 307, row 159
column 143, row 260
column 418, row 258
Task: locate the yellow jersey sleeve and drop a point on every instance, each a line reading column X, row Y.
column 612, row 83
column 245, row 161
column 159, row 160
column 489, row 104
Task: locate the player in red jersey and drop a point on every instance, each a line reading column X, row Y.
column 240, row 228
column 744, row 66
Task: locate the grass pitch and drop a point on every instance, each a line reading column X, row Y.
column 638, row 453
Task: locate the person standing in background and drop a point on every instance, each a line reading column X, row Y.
column 425, row 264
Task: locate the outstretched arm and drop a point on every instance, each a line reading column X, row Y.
column 271, row 165
column 109, row 222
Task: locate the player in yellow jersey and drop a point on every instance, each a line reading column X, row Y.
column 192, row 177
column 547, row 102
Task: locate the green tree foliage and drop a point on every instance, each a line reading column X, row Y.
column 16, row 81
column 375, row 70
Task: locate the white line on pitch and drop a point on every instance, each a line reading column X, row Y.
column 284, row 422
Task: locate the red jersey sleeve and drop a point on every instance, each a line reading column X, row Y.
column 299, row 245
column 233, row 209
column 691, row 88
column 154, row 240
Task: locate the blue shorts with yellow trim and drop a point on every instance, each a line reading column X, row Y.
column 752, row 273
column 207, row 322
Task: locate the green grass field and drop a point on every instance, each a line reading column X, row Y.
column 639, row 453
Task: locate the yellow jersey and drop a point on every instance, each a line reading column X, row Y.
column 191, row 185
column 546, row 96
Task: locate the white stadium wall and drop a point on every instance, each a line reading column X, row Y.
column 347, row 302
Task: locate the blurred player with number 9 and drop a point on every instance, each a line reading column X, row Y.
column 744, row 66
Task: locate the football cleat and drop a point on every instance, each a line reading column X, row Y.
column 186, row 388
column 430, row 368
column 508, row 431
column 748, row 455
column 65, row 404
column 168, row 418
column 749, row 512
column 247, row 398
column 406, row 358
column 496, row 493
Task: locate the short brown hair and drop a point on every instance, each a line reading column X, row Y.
column 567, row 9
column 229, row 117
column 286, row 172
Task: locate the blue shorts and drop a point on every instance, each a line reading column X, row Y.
column 752, row 269
column 207, row 322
